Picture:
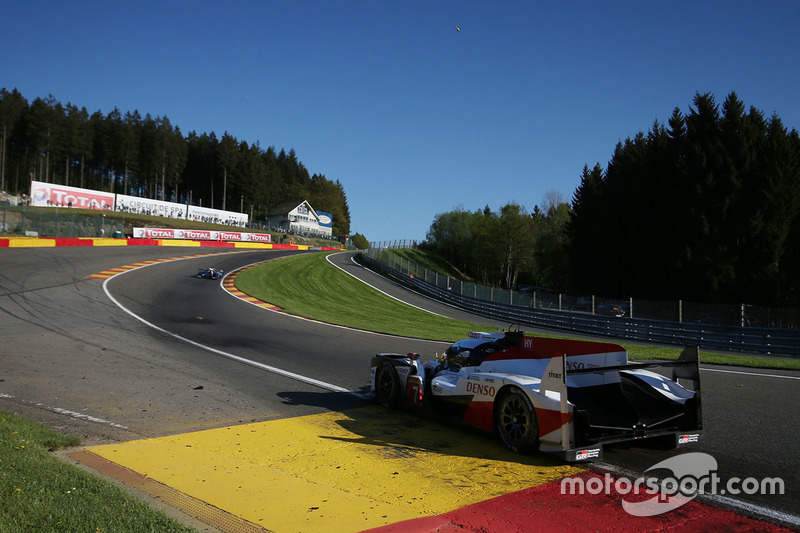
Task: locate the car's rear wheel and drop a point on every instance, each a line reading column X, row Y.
column 515, row 421
column 387, row 386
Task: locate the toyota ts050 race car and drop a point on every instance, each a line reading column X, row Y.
column 561, row 396
column 209, row 273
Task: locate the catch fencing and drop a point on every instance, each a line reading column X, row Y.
column 55, row 222
column 731, row 328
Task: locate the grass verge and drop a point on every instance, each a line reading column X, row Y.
column 424, row 259
column 307, row 285
column 39, row 492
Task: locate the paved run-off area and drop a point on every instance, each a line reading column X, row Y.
column 339, row 471
column 366, row 468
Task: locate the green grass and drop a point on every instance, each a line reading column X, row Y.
column 307, row 285
column 429, row 260
column 41, row 493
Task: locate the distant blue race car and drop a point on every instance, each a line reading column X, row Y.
column 209, row 273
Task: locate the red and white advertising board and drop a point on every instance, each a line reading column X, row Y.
column 200, row 235
column 52, row 195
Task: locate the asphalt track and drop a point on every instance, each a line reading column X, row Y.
column 75, row 360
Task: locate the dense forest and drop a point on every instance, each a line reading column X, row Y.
column 150, row 157
column 705, row 208
column 509, row 247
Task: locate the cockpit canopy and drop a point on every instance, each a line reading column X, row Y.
column 473, row 351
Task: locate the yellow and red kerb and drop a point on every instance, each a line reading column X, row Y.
column 229, row 286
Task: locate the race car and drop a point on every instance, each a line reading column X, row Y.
column 209, row 273
column 566, row 397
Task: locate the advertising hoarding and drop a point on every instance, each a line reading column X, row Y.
column 146, row 206
column 52, row 195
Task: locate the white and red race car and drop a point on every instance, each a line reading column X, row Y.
column 561, row 396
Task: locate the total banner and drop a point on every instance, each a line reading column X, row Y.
column 200, row 235
column 52, row 195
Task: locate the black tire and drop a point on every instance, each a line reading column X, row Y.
column 387, row 386
column 515, row 421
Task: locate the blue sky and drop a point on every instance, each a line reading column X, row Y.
column 413, row 117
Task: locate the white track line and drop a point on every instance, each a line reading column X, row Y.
column 262, row 366
column 748, row 373
column 62, row 411
column 297, row 317
column 328, row 259
column 746, row 508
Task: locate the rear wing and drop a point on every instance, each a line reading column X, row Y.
column 554, row 380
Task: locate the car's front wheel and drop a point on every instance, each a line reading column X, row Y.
column 515, row 421
column 387, row 386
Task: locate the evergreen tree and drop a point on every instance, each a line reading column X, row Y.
column 705, row 209
column 585, row 232
column 12, row 108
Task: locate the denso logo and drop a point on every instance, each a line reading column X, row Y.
column 481, row 390
column 573, row 365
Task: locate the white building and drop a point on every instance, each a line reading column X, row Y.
column 298, row 217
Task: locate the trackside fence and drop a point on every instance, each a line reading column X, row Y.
column 55, row 222
column 588, row 315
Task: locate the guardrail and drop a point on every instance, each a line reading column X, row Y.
column 742, row 339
